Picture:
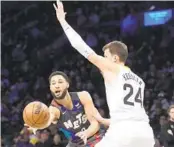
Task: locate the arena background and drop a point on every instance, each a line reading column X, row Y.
column 33, row 45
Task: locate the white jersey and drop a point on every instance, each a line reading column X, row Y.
column 125, row 95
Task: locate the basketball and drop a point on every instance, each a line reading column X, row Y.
column 36, row 114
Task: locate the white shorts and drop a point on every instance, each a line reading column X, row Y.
column 128, row 134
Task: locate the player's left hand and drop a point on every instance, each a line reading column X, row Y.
column 60, row 13
column 83, row 136
column 33, row 130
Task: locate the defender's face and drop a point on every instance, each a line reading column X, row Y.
column 109, row 56
column 58, row 86
column 171, row 113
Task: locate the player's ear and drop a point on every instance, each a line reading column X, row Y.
column 67, row 85
column 115, row 58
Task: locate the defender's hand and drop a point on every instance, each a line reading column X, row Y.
column 83, row 136
column 59, row 10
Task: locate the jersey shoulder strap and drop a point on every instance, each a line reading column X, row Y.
column 55, row 104
column 76, row 101
column 74, row 96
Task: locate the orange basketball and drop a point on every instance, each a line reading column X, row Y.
column 36, row 114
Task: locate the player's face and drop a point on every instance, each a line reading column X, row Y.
column 172, row 113
column 59, row 87
column 109, row 56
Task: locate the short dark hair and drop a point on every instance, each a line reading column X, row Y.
column 118, row 48
column 59, row 73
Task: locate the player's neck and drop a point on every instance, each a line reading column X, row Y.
column 121, row 63
column 66, row 102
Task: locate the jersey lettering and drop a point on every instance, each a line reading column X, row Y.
column 84, row 119
column 138, row 97
column 68, row 124
column 80, row 119
column 76, row 124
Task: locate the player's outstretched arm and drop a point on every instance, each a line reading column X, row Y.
column 54, row 116
column 100, row 119
column 78, row 43
column 89, row 107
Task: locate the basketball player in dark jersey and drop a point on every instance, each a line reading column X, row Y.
column 73, row 113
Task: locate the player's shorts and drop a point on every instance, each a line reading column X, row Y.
column 128, row 134
column 91, row 142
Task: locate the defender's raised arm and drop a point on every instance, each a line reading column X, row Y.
column 77, row 42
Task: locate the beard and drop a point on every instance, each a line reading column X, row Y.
column 60, row 97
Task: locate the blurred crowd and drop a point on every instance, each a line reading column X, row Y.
column 33, row 45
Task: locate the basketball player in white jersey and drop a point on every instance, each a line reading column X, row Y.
column 129, row 124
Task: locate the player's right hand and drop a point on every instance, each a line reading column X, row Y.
column 82, row 135
column 60, row 13
column 33, row 130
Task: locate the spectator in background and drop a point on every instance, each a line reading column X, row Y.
column 167, row 130
column 163, row 120
column 155, row 109
column 91, row 40
column 164, row 101
column 18, row 54
column 34, row 139
column 172, row 99
column 45, row 140
column 157, row 127
column 98, row 101
column 23, row 141
column 81, row 19
column 53, row 129
column 94, row 18
column 163, row 82
column 56, row 141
